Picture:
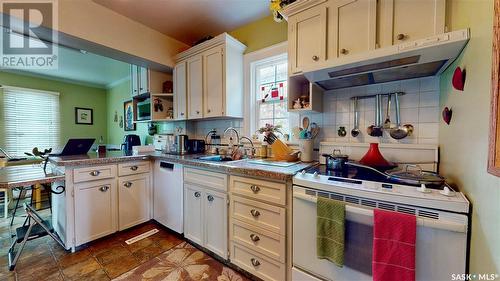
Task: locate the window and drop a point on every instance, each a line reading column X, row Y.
column 270, row 92
column 31, row 119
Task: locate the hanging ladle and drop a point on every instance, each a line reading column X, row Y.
column 355, row 131
column 375, row 130
column 400, row 132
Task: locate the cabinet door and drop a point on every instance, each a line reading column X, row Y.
column 195, row 87
column 193, row 213
column 143, row 80
column 216, row 222
column 180, row 93
column 133, row 200
column 351, row 27
column 213, row 78
column 408, row 20
column 95, row 210
column 307, row 38
column 134, row 80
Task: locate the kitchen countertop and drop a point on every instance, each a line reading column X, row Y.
column 240, row 167
column 25, row 175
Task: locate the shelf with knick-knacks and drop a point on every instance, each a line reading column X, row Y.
column 303, row 96
column 162, row 107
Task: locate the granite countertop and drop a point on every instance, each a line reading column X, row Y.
column 25, row 175
column 240, row 167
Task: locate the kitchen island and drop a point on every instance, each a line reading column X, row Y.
column 239, row 211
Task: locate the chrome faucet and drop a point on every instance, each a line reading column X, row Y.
column 5, row 153
column 252, row 152
column 235, row 132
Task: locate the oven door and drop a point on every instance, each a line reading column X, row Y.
column 441, row 243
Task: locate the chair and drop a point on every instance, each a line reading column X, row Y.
column 36, row 228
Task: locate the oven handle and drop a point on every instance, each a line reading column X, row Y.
column 360, row 215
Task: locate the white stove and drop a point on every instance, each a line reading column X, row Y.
column 442, row 224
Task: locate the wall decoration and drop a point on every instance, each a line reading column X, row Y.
column 458, row 80
column 447, row 113
column 120, row 124
column 128, row 113
column 84, row 116
column 115, row 119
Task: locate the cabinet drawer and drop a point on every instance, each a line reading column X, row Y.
column 204, row 178
column 259, row 214
column 132, row 168
column 258, row 189
column 94, row 173
column 265, row 242
column 257, row 264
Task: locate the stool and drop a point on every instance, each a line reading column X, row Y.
column 37, row 228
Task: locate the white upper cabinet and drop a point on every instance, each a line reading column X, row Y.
column 351, row 27
column 180, row 91
column 307, row 38
column 320, row 31
column 195, row 87
column 408, row 20
column 214, row 78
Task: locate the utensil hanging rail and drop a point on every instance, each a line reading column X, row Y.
column 372, row 96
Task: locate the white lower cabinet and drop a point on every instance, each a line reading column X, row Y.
column 205, row 210
column 95, row 210
column 133, row 198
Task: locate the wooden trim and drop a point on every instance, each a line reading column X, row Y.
column 494, row 138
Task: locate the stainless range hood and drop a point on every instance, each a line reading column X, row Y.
column 425, row 57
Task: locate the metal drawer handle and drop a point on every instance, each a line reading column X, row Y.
column 255, row 189
column 208, row 110
column 255, row 238
column 254, row 213
column 315, row 58
column 197, row 194
column 94, row 173
column 134, row 168
column 255, row 262
column 344, row 51
column 197, row 112
column 182, row 113
column 401, row 36
column 127, row 184
column 210, row 198
column 104, row 188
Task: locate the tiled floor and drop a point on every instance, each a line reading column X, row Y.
column 110, row 257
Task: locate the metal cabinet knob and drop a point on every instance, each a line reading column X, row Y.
column 104, row 188
column 134, row 168
column 254, row 237
column 182, row 113
column 255, row 262
column 255, row 189
column 254, row 213
column 401, row 36
column 197, row 112
column 127, row 184
column 94, row 173
column 210, row 198
column 315, row 58
column 344, row 51
column 197, row 194
column 208, row 110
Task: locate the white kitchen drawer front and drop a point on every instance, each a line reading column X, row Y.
column 132, row 168
column 259, row 214
column 257, row 264
column 258, row 189
column 204, row 178
column 94, row 173
column 265, row 242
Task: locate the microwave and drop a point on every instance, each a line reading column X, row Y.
column 143, row 108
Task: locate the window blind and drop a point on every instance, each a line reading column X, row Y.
column 31, row 119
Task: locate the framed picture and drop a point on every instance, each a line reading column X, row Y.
column 128, row 116
column 84, row 116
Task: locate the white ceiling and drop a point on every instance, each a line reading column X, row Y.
column 83, row 68
column 190, row 20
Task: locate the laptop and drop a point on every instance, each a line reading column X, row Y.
column 75, row 147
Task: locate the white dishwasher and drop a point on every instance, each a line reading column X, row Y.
column 168, row 195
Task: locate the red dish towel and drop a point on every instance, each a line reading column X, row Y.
column 394, row 237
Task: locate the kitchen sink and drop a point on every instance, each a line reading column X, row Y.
column 216, row 158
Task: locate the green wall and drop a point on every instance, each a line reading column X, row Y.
column 464, row 143
column 71, row 96
column 115, row 98
column 261, row 33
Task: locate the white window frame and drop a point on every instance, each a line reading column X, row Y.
column 250, row 63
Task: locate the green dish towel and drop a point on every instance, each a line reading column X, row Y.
column 330, row 227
